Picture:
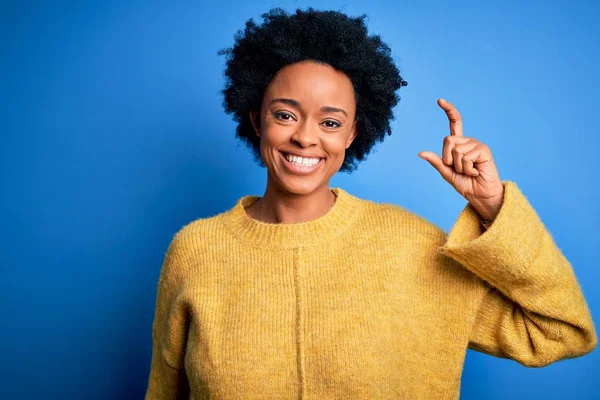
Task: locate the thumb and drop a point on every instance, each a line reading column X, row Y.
column 437, row 163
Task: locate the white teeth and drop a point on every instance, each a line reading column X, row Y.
column 305, row 162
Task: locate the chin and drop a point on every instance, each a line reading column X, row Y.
column 300, row 185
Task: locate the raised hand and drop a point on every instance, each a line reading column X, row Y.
column 468, row 165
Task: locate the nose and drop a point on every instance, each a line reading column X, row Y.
column 305, row 135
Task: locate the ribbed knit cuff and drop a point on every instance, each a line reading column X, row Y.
column 503, row 252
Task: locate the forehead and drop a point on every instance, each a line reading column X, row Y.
column 312, row 83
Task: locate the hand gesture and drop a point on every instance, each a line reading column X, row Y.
column 467, row 164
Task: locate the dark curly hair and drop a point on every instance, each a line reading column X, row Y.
column 328, row 37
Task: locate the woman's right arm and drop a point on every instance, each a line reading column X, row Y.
column 169, row 331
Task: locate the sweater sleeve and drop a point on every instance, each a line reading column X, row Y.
column 534, row 310
column 167, row 378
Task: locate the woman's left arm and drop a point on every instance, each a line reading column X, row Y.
column 534, row 310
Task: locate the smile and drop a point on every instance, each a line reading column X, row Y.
column 301, row 165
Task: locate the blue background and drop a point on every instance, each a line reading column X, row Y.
column 113, row 138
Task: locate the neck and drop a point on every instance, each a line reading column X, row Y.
column 329, row 226
column 280, row 206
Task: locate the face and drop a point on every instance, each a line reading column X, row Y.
column 306, row 123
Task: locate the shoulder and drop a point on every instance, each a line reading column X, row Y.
column 198, row 233
column 188, row 247
column 393, row 219
column 404, row 235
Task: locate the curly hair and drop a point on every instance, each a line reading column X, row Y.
column 328, row 37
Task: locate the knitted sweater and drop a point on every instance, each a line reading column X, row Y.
column 369, row 301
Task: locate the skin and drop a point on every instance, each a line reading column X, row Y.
column 309, row 109
column 468, row 165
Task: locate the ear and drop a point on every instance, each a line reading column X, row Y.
column 255, row 120
column 353, row 133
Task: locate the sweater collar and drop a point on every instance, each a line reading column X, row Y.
column 272, row 235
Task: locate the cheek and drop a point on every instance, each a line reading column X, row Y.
column 270, row 139
column 265, row 150
column 336, row 145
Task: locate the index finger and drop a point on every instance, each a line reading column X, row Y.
column 453, row 116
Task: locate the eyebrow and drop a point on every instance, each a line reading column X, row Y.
column 296, row 103
column 333, row 109
column 291, row 102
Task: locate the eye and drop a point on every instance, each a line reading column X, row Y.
column 284, row 116
column 331, row 124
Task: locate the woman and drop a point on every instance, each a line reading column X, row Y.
column 310, row 292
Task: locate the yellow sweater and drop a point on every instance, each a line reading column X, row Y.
column 368, row 301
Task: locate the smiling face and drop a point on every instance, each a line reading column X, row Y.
column 307, row 121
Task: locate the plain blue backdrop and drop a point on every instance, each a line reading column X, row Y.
column 114, row 137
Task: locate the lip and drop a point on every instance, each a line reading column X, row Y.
column 300, row 170
column 294, row 153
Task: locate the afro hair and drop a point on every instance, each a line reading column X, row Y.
column 328, row 37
